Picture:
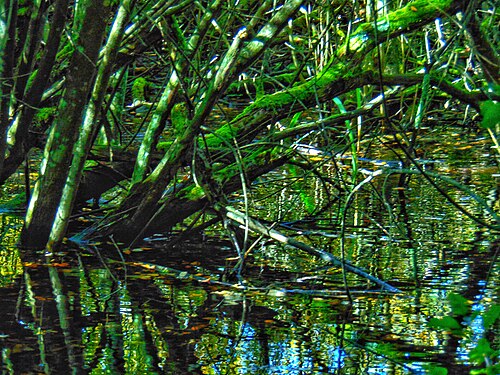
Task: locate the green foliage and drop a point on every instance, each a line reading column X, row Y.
column 108, row 3
column 193, row 192
column 482, row 351
column 308, row 200
column 459, row 305
column 66, row 51
column 139, row 88
column 436, row 370
column 295, row 119
column 482, row 354
column 179, row 118
column 22, row 11
column 44, row 115
column 447, row 323
column 491, row 316
column 490, row 111
column 24, row 7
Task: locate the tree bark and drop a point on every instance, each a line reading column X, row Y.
column 34, row 93
column 144, row 197
column 8, row 20
column 89, row 126
column 58, row 151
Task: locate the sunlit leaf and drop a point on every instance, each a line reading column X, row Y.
column 309, row 203
column 459, row 305
column 295, row 119
column 446, row 323
column 492, row 370
column 490, row 111
column 491, row 316
column 482, row 351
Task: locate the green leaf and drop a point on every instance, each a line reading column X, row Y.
column 459, row 305
column 491, row 316
column 309, row 203
column 482, row 351
column 436, row 370
column 446, row 323
column 492, row 370
column 490, row 111
column 295, row 119
column 23, row 11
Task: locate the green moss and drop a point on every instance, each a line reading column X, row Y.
column 139, row 88
column 44, row 115
column 192, row 192
column 179, row 118
column 163, row 146
column 65, row 52
column 413, row 12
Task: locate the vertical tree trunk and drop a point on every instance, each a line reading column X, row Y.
column 8, row 19
column 34, row 93
column 89, row 128
column 59, row 148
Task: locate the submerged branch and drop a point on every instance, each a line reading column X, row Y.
column 254, row 225
column 207, row 279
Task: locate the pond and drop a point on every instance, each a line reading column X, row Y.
column 192, row 308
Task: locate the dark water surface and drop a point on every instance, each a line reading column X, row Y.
column 183, row 309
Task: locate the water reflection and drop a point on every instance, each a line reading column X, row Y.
column 78, row 316
column 180, row 310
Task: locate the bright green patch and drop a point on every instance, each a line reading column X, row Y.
column 490, row 111
column 491, row 316
column 459, row 305
column 436, row 370
column 448, row 323
column 179, row 118
column 139, row 88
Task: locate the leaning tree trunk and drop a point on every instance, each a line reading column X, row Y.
column 58, row 151
column 143, row 201
column 143, row 208
column 89, row 127
column 33, row 95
